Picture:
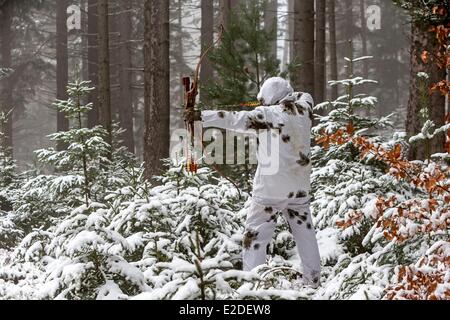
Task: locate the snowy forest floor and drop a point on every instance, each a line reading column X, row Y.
column 96, row 229
column 379, row 237
column 26, row 281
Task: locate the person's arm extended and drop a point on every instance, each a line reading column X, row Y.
column 242, row 121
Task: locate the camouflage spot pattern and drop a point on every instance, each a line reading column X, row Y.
column 249, row 237
column 304, row 159
column 286, row 138
column 300, row 194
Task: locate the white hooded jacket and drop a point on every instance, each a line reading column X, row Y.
column 288, row 113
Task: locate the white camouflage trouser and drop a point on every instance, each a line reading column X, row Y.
column 260, row 226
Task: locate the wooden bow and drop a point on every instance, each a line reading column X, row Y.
column 190, row 99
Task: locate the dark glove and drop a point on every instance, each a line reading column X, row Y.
column 192, row 116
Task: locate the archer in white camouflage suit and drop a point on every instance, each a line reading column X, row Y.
column 286, row 192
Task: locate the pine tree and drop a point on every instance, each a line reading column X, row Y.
column 64, row 216
column 367, row 204
column 243, row 61
column 169, row 242
column 87, row 148
column 7, row 163
column 341, row 180
column 6, row 93
column 244, row 58
column 206, row 251
column 425, row 16
column 82, row 170
column 9, row 232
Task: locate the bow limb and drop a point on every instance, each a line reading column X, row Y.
column 195, row 87
column 203, row 56
column 191, row 90
column 191, row 93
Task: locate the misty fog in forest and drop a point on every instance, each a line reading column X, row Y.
column 34, row 38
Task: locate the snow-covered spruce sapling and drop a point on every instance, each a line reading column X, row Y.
column 5, row 72
column 346, row 113
column 7, row 164
column 9, row 232
column 207, row 234
column 82, row 170
column 342, row 182
column 86, row 150
column 85, row 255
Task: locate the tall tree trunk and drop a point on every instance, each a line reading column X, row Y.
column 271, row 23
column 84, row 42
column 6, row 96
column 62, row 65
column 207, row 37
column 362, row 9
column 304, row 45
column 348, row 22
column 424, row 40
column 92, row 57
column 179, row 67
column 126, row 98
column 157, row 83
column 333, row 48
column 104, row 72
column 225, row 9
column 365, row 65
column 114, row 21
column 346, row 47
column 320, row 78
column 288, row 38
column 291, row 28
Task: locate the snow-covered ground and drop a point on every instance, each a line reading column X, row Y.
column 19, row 282
column 27, row 281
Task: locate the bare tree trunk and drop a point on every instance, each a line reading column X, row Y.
column 114, row 26
column 333, row 48
column 104, row 72
column 362, row 8
column 62, row 65
column 348, row 22
column 92, row 57
column 271, row 22
column 320, row 77
column 207, row 37
column 365, row 65
column 157, row 83
column 126, row 98
column 179, row 66
column 6, row 96
column 421, row 40
column 291, row 28
column 304, row 45
column 225, row 9
column 437, row 109
column 288, row 38
column 413, row 122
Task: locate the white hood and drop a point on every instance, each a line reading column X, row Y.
column 274, row 90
